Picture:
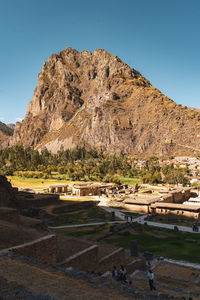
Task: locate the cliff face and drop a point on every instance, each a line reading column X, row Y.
column 5, row 133
column 94, row 99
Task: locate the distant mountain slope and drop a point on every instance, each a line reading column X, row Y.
column 5, row 133
column 6, row 129
column 95, row 99
column 11, row 125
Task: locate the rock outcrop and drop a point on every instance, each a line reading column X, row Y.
column 95, row 99
column 7, row 193
column 5, row 133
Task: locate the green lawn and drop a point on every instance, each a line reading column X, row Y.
column 90, row 233
column 172, row 219
column 166, row 243
column 129, row 180
column 83, row 216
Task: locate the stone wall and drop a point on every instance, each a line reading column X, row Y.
column 26, row 200
column 178, row 212
column 178, row 196
column 137, row 208
column 167, row 198
column 9, row 215
column 116, row 257
column 44, row 249
column 74, row 207
column 86, row 260
column 137, row 264
column 187, row 194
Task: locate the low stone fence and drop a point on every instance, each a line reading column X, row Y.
column 44, row 249
column 116, row 257
column 85, row 260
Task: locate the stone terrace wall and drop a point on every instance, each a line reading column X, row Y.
column 85, row 260
column 116, row 257
column 74, row 207
column 44, row 249
column 9, row 215
column 137, row 264
column 39, row 200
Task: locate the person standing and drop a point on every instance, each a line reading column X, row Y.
column 115, row 274
column 150, row 276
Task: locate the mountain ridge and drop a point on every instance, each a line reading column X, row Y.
column 96, row 100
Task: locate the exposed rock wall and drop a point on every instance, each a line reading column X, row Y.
column 7, row 193
column 95, row 99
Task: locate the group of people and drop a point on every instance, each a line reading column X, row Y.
column 119, row 275
column 126, row 218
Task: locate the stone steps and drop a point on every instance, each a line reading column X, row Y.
column 174, row 287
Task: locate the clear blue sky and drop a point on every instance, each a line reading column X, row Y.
column 159, row 38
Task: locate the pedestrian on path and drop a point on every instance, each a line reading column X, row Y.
column 150, row 276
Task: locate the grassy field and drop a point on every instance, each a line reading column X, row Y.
column 166, row 243
column 40, row 183
column 129, row 180
column 90, row 233
column 33, row 183
column 172, row 219
column 83, row 216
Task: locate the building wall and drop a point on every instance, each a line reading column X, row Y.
column 178, row 196
column 177, row 212
column 137, row 208
column 167, row 198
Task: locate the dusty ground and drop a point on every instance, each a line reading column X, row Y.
column 54, row 284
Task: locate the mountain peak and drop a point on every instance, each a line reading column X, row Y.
column 95, row 99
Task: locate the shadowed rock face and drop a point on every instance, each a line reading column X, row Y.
column 94, row 99
column 7, row 193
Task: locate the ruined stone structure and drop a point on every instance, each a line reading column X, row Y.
column 86, row 189
column 58, row 188
column 190, row 211
column 164, row 204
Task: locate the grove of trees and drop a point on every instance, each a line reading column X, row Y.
column 82, row 164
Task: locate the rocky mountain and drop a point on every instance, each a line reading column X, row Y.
column 5, row 133
column 11, row 125
column 95, row 99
